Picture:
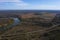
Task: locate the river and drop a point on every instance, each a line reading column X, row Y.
column 16, row 22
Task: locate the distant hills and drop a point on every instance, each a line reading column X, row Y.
column 27, row 11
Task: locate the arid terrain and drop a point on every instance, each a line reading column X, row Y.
column 30, row 26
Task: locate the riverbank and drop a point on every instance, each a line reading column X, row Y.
column 15, row 22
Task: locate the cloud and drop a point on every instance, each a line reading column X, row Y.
column 52, row 7
column 18, row 3
column 10, row 0
column 22, row 4
column 43, row 7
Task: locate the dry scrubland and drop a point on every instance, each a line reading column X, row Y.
column 6, row 21
column 31, row 28
column 26, row 32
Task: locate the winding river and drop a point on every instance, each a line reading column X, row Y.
column 16, row 21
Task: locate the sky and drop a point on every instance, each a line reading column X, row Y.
column 29, row 4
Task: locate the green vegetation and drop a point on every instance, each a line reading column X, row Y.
column 5, row 21
column 4, row 26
